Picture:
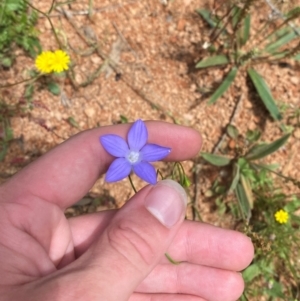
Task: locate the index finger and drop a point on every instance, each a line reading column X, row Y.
column 67, row 172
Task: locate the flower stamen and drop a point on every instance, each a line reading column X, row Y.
column 133, row 157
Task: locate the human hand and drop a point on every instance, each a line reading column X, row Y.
column 113, row 255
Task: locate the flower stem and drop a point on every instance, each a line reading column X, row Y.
column 51, row 8
column 46, row 15
column 158, row 173
column 22, row 81
column 131, row 183
column 172, row 260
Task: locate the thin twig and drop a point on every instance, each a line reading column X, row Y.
column 124, row 39
column 87, row 11
column 22, row 81
column 277, row 12
column 49, row 20
column 233, row 116
column 91, row 9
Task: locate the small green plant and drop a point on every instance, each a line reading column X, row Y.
column 274, row 230
column 269, row 216
column 246, row 172
column 231, row 44
column 17, row 23
column 6, row 133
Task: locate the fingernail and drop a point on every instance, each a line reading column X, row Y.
column 167, row 201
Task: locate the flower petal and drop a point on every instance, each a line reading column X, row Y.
column 118, row 170
column 154, row 152
column 137, row 135
column 114, row 145
column 146, row 172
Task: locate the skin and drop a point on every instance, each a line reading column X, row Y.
column 110, row 255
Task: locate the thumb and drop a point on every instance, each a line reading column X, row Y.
column 137, row 238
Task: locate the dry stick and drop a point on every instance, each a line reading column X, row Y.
column 98, row 71
column 224, row 26
column 233, row 116
column 87, row 11
column 128, row 45
column 281, row 15
column 286, row 21
column 21, row 81
column 124, row 39
column 116, row 68
column 91, row 9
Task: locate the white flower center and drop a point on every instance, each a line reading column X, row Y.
column 133, row 157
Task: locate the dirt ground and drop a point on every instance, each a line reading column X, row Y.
column 155, row 45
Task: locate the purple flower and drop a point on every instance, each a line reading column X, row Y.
column 134, row 155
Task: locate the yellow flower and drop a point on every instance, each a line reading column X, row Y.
column 281, row 216
column 60, row 61
column 44, row 62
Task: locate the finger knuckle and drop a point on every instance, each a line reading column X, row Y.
column 129, row 240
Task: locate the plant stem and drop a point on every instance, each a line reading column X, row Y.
column 131, row 183
column 172, row 260
column 48, row 18
column 51, row 8
column 22, row 81
column 281, row 15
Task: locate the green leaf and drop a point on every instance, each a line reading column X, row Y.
column 262, row 150
column 221, row 206
column 248, row 191
column 269, row 167
column 12, row 5
column 253, row 136
column 293, row 205
column 207, row 16
column 54, row 88
column 243, row 163
column 276, row 290
column 283, row 40
column 6, row 62
column 236, row 178
column 293, row 13
column 186, row 182
column 213, row 61
column 29, row 90
column 246, row 30
column 34, row 47
column 297, row 57
column 220, row 189
column 215, row 159
column 16, row 27
column 243, row 201
column 3, row 151
column 232, row 131
column 124, row 119
column 236, row 11
column 251, row 272
column 264, row 93
column 224, row 86
column 9, row 134
column 73, row 122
